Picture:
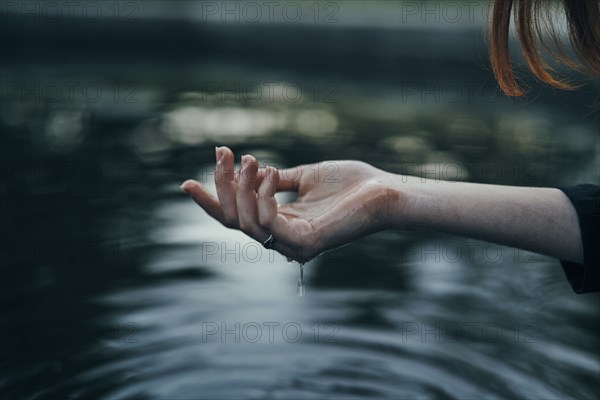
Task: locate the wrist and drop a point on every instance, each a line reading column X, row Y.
column 404, row 193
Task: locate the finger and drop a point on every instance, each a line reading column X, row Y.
column 226, row 187
column 260, row 175
column 246, row 199
column 289, row 179
column 204, row 199
column 248, row 207
column 268, row 217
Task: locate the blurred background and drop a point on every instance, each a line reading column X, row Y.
column 114, row 284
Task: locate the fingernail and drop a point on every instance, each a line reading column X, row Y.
column 245, row 158
column 219, row 153
column 182, row 186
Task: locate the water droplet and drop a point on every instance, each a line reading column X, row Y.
column 301, row 286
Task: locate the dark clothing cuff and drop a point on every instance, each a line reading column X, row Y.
column 586, row 200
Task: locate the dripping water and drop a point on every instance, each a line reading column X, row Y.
column 301, row 286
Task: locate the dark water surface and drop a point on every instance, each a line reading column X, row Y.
column 115, row 285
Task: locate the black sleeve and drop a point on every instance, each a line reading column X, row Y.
column 586, row 277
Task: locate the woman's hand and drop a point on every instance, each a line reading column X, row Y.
column 338, row 201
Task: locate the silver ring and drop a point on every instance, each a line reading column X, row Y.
column 269, row 243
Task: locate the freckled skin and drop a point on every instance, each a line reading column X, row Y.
column 352, row 199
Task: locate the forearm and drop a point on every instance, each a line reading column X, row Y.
column 541, row 220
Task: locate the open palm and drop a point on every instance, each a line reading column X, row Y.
column 338, row 201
